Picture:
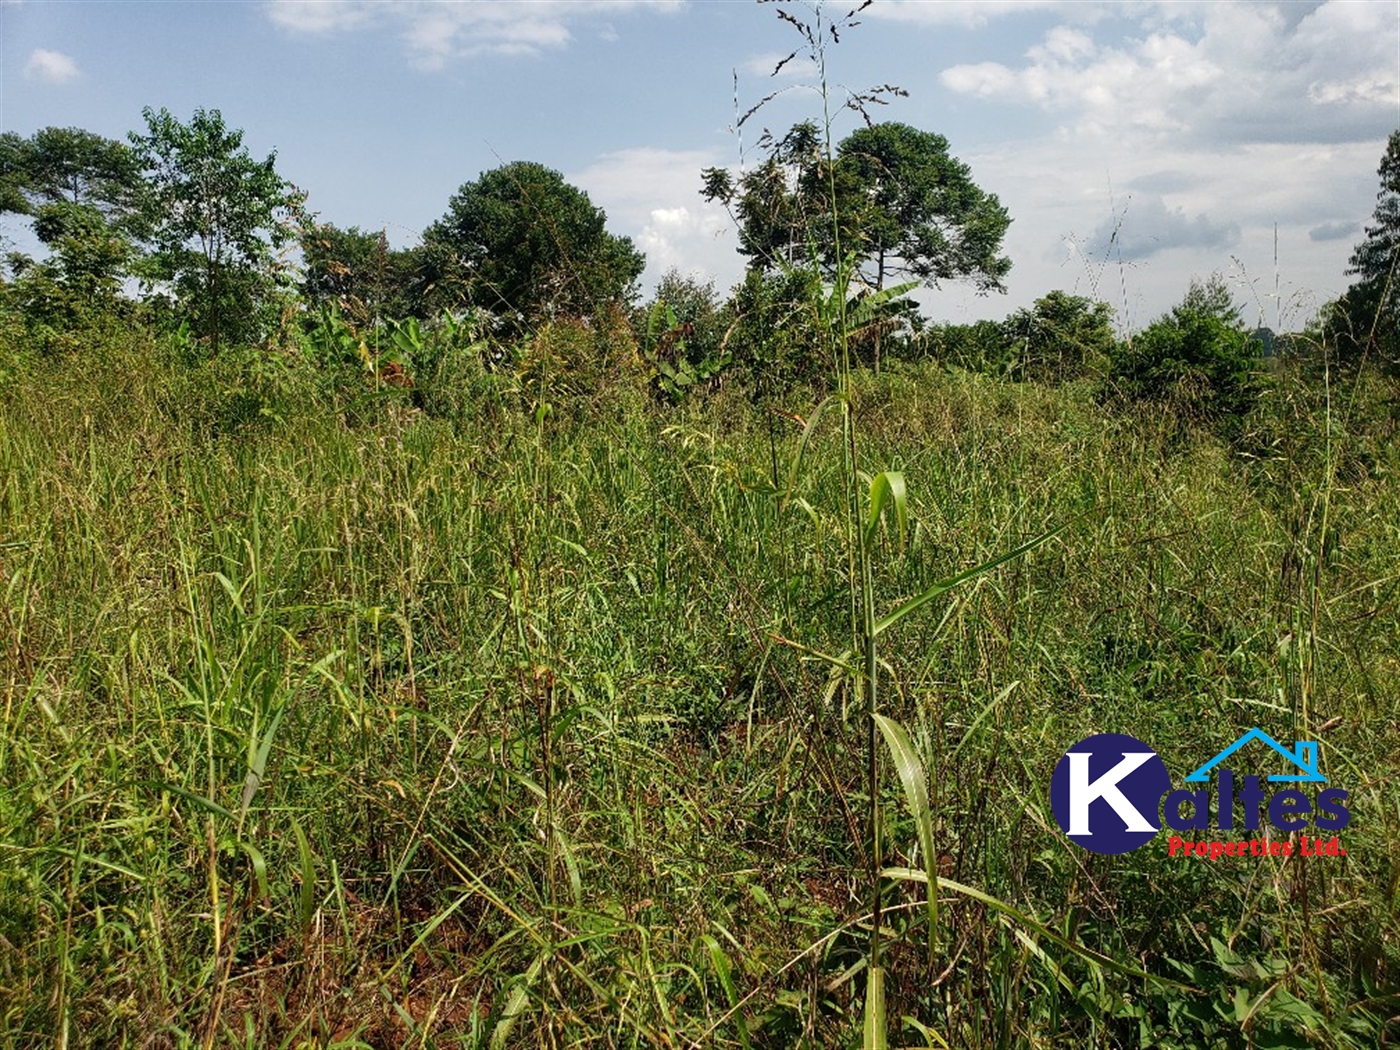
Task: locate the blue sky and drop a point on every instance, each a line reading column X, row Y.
column 1135, row 145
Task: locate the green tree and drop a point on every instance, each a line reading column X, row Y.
column 83, row 194
column 1197, row 358
column 1366, row 319
column 524, row 244
column 359, row 272
column 782, row 207
column 69, row 166
column 905, row 208
column 1061, row 337
column 918, row 213
column 217, row 217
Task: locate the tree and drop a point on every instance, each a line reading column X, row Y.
column 216, row 219
column 1197, row 358
column 69, row 166
column 782, row 207
column 922, row 216
column 1367, row 317
column 359, row 272
column 1061, row 337
column 905, row 207
column 524, row 244
column 83, row 194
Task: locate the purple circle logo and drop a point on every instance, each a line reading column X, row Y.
column 1106, row 792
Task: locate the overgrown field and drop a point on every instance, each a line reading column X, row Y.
column 512, row 729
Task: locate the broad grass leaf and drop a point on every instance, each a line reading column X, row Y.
column 915, row 783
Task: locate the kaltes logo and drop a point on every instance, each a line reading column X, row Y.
column 1111, row 793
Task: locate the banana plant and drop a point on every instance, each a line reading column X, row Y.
column 665, row 350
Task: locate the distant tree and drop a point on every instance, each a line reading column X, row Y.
column 524, row 244
column 1061, row 337
column 978, row 347
column 919, row 214
column 782, row 206
column 893, row 200
column 83, row 194
column 1197, row 358
column 216, row 218
column 69, row 166
column 359, row 272
column 905, row 208
column 1366, row 319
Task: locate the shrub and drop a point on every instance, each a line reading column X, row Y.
column 977, row 347
column 684, row 335
column 775, row 334
column 576, row 363
column 1062, row 337
column 1196, row 359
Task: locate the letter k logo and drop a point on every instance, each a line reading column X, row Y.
column 1126, row 779
column 1082, row 792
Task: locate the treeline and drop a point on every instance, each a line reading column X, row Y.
column 181, row 231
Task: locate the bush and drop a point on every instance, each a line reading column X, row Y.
column 1061, row 338
column 1356, row 327
column 977, row 347
column 683, row 336
column 775, row 335
column 1196, row 359
column 575, row 364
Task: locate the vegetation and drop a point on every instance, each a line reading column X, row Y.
column 1366, row 320
column 446, row 650
column 216, row 219
column 1199, row 357
column 521, row 241
column 464, row 724
column 904, row 207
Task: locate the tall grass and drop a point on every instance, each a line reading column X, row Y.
column 515, row 733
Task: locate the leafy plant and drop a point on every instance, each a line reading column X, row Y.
column 1197, row 358
column 216, row 218
column 675, row 371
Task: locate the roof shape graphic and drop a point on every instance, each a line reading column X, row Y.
column 1303, row 755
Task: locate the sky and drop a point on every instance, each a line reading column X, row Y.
column 1136, row 145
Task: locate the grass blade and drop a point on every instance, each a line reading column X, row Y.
column 911, row 776
column 942, row 586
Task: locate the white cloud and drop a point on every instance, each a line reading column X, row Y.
column 436, row 33
column 1217, row 72
column 974, row 13
column 1245, row 136
column 53, row 67
column 653, row 196
column 1218, row 204
column 322, row 16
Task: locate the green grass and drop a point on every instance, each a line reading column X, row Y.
column 510, row 732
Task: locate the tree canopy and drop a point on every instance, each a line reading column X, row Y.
column 216, row 217
column 83, row 194
column 1367, row 317
column 359, row 272
column 920, row 215
column 68, row 166
column 524, row 244
column 906, row 208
